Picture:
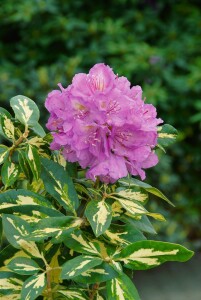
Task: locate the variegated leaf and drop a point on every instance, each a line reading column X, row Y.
column 117, row 209
column 57, row 227
column 134, row 194
column 72, row 294
column 7, row 127
column 135, row 208
column 122, row 288
column 32, row 213
column 16, row 231
column 15, row 228
column 22, row 197
column 33, row 159
column 4, row 152
column 24, row 165
column 33, row 287
column 99, row 215
column 148, row 254
column 79, row 265
column 3, row 112
column 9, row 173
column 59, row 184
column 167, row 135
column 23, row 266
column 80, row 243
column 10, row 284
column 123, row 234
column 25, row 109
column 97, row 274
column 132, row 182
column 13, row 296
column 37, row 142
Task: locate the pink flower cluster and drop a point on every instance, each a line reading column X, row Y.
column 103, row 123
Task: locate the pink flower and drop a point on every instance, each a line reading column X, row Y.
column 103, row 123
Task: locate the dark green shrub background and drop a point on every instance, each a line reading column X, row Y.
column 156, row 44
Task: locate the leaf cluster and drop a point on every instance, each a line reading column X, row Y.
column 66, row 237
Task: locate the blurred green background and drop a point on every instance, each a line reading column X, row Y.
column 156, row 44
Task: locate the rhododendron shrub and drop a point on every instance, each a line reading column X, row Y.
column 74, row 222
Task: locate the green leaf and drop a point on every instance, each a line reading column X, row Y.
column 131, row 182
column 123, row 234
column 10, row 284
column 79, row 265
column 122, row 288
column 38, row 129
column 33, row 287
column 97, row 274
column 98, row 296
column 25, row 109
column 80, row 243
column 143, row 223
column 59, row 185
column 33, row 159
column 23, row 266
column 57, row 227
column 9, row 173
column 7, row 128
column 167, row 135
column 99, row 215
column 4, row 152
column 144, row 255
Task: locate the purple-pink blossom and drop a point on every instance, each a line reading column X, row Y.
column 103, row 123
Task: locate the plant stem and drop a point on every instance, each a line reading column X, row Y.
column 93, row 291
column 19, row 141
column 49, row 288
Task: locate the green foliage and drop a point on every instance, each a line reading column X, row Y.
column 66, row 237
